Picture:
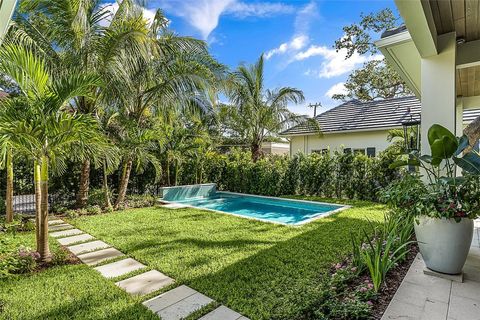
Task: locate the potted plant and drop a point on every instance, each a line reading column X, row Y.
column 447, row 205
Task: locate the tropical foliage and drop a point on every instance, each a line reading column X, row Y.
column 256, row 112
column 447, row 194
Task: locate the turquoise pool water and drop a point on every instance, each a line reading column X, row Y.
column 269, row 209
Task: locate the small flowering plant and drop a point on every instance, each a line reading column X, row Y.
column 447, row 194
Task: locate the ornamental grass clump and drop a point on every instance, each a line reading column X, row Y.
column 378, row 254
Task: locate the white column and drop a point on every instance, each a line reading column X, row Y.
column 459, row 118
column 438, row 89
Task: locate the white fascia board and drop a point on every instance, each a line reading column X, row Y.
column 418, row 18
column 400, row 51
column 341, row 132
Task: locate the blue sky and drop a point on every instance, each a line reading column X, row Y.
column 296, row 37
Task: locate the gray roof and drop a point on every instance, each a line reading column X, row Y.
column 368, row 116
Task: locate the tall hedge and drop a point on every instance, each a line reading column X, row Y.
column 338, row 175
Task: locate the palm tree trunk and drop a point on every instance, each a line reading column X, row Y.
column 38, row 201
column 256, row 151
column 106, row 191
column 176, row 172
column 122, row 190
column 9, row 195
column 168, row 172
column 82, row 195
column 44, row 250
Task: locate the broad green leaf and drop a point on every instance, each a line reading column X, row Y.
column 462, row 144
column 469, row 162
column 444, row 147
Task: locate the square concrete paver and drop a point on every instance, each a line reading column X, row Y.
column 73, row 239
column 53, row 222
column 462, row 308
column 145, row 283
column 185, row 307
column 169, row 298
column 223, row 313
column 96, row 257
column 61, row 226
column 118, row 268
column 66, row 233
column 88, row 246
column 426, row 297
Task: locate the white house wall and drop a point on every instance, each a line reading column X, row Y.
column 338, row 141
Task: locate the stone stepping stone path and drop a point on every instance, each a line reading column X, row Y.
column 87, row 247
column 175, row 304
column 66, row 233
column 223, row 313
column 145, row 283
column 69, row 240
column 119, row 268
column 53, row 222
column 61, row 226
column 96, row 257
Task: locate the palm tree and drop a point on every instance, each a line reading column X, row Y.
column 256, row 111
column 45, row 129
column 73, row 33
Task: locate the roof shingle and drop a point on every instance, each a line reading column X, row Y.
column 368, row 116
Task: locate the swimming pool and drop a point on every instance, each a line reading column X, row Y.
column 270, row 209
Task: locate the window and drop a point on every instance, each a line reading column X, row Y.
column 371, row 152
column 321, row 151
column 359, row 151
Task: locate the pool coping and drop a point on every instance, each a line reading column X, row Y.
column 319, row 216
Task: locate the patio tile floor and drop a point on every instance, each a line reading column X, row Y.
column 426, row 297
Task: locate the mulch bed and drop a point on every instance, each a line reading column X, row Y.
column 394, row 279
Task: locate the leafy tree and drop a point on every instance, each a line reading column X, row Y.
column 256, row 111
column 42, row 128
column 73, row 34
column 376, row 79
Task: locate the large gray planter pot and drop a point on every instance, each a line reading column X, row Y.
column 444, row 243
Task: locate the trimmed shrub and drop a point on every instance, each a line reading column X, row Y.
column 341, row 175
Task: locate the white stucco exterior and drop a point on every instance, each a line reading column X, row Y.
column 338, row 141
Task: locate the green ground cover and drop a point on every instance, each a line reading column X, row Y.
column 65, row 292
column 263, row 270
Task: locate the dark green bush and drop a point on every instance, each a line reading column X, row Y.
column 342, row 175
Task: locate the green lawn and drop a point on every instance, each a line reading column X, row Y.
column 260, row 269
column 65, row 292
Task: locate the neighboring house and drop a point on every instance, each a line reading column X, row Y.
column 278, row 148
column 357, row 126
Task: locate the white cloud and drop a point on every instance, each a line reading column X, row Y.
column 260, row 9
column 204, row 15
column 293, row 45
column 334, row 62
column 338, row 88
column 148, row 14
column 300, row 38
